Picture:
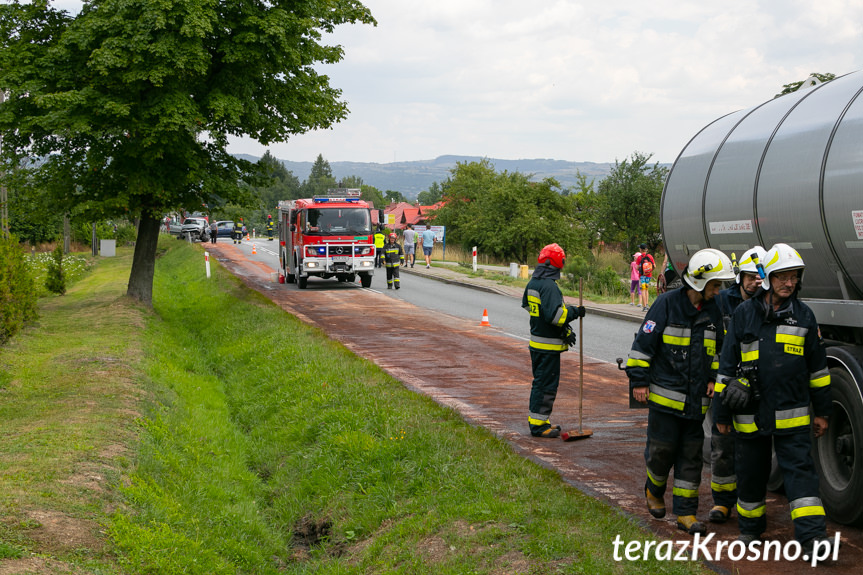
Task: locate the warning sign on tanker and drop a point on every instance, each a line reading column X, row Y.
column 857, row 216
column 731, row 227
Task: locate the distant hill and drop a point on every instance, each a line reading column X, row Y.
column 411, row 178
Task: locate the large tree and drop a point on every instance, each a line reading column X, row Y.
column 507, row 215
column 628, row 202
column 132, row 101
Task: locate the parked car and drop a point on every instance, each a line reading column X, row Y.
column 226, row 228
column 195, row 229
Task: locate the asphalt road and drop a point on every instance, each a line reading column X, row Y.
column 604, row 339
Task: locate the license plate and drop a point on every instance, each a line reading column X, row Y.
column 340, row 258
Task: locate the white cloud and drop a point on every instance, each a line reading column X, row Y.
column 575, row 80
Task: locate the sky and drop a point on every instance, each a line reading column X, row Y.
column 580, row 81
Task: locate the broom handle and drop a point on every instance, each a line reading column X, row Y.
column 580, row 357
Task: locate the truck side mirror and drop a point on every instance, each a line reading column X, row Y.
column 293, row 227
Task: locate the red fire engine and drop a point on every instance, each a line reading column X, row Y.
column 327, row 236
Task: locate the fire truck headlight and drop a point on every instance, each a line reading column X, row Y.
column 366, row 264
column 364, row 251
column 311, row 264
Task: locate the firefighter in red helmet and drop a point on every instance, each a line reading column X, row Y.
column 270, row 227
column 393, row 257
column 550, row 335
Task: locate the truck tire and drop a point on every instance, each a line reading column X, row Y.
column 302, row 282
column 838, row 454
column 366, row 280
column 290, row 278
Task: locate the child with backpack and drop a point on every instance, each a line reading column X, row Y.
column 646, row 265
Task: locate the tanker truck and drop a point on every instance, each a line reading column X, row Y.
column 791, row 170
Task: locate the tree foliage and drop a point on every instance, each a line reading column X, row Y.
column 628, row 202
column 506, row 215
column 794, row 86
column 131, row 102
column 431, row 196
column 17, row 290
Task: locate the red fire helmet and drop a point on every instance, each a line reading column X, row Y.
column 552, row 254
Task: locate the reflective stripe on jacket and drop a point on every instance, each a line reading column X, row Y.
column 675, row 354
column 548, row 315
column 787, row 363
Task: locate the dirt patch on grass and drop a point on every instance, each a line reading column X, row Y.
column 56, row 532
column 36, row 566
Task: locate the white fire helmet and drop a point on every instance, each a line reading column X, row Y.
column 705, row 265
column 781, row 257
column 750, row 261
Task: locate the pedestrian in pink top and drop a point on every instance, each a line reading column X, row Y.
column 634, row 278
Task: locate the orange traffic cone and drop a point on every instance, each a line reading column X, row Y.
column 248, row 239
column 254, row 249
column 484, row 321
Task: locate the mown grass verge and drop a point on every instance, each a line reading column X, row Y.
column 263, row 447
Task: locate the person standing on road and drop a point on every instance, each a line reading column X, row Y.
column 270, row 227
column 238, row 231
column 214, row 232
column 672, row 367
column 776, row 395
column 646, row 264
column 393, row 258
column 634, row 279
column 550, row 335
column 723, row 481
column 380, row 240
column 410, row 238
column 428, row 244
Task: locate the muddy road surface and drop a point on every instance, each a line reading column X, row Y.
column 485, row 375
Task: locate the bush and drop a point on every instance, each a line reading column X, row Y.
column 17, row 293
column 55, row 280
column 606, row 282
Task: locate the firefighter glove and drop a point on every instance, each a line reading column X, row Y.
column 569, row 336
column 580, row 310
column 736, row 394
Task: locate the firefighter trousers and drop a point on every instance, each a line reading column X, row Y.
column 543, row 391
column 723, row 479
column 793, row 454
column 393, row 275
column 676, row 442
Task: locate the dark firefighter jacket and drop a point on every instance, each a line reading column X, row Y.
column 675, row 354
column 782, row 356
column 548, row 314
column 727, row 300
column 238, row 227
column 393, row 255
column 270, row 225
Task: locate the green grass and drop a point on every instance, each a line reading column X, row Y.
column 254, row 444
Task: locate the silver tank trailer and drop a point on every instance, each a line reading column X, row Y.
column 791, row 170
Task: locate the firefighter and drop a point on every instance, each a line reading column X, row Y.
column 393, row 257
column 380, row 239
column 723, row 481
column 550, row 335
column 774, row 368
column 672, row 367
column 270, row 227
column 238, row 231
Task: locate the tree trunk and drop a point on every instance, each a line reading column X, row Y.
column 144, row 261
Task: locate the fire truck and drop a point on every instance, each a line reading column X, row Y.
column 327, row 236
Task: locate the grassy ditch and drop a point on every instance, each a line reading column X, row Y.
column 238, row 440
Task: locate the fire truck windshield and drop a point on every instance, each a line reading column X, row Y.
column 338, row 221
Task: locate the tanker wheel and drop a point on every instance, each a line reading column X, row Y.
column 302, row 281
column 838, row 454
column 366, row 280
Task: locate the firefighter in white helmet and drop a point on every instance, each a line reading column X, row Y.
column 777, row 393
column 723, row 479
column 672, row 368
